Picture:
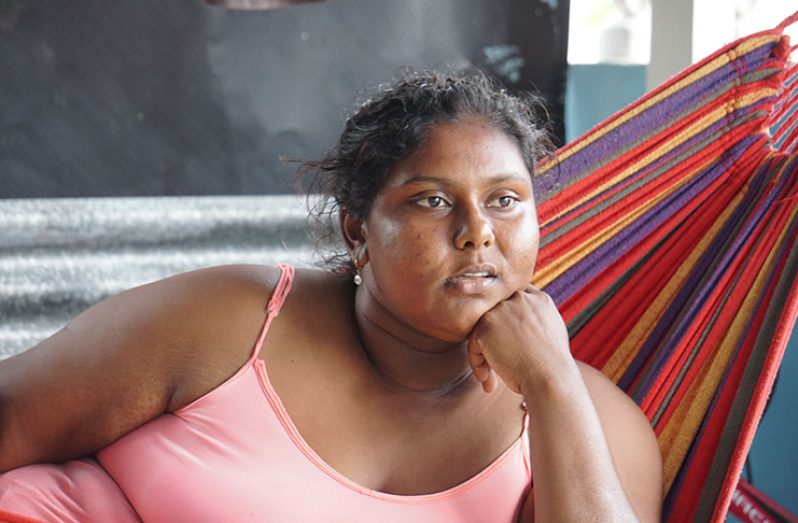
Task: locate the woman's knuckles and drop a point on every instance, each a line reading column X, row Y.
column 521, row 337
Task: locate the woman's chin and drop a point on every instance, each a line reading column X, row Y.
column 456, row 328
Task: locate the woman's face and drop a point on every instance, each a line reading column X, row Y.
column 452, row 232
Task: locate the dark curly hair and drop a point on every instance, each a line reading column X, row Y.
column 394, row 123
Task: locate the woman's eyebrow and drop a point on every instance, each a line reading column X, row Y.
column 491, row 180
column 426, row 179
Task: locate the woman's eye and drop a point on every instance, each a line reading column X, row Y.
column 432, row 202
column 503, row 202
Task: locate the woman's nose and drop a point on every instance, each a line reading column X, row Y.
column 473, row 230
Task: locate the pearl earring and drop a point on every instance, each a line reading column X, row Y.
column 358, row 279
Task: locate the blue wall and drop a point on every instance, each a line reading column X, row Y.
column 595, row 92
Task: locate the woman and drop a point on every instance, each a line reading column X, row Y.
column 430, row 382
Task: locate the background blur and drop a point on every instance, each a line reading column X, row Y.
column 149, row 99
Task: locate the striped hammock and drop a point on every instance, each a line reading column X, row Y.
column 669, row 242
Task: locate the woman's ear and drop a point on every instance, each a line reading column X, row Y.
column 354, row 231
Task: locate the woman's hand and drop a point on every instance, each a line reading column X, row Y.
column 522, row 338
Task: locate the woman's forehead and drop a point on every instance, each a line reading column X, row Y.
column 469, row 147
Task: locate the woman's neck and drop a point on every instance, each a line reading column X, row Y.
column 408, row 361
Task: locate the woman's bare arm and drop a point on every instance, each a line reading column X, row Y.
column 127, row 360
column 594, row 456
column 633, row 445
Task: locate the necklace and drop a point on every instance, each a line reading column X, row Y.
column 395, row 385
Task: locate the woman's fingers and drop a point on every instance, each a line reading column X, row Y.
column 491, row 383
column 477, row 361
column 482, row 370
column 486, row 376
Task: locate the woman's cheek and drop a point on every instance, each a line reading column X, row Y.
column 524, row 248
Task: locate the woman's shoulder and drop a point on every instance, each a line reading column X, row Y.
column 610, row 400
column 216, row 316
column 322, row 286
column 233, row 278
column 199, row 305
column 217, row 295
column 319, row 306
column 630, row 436
column 224, row 309
column 257, row 279
column 625, row 424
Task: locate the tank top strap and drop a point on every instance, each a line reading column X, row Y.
column 282, row 289
column 525, row 445
column 275, row 304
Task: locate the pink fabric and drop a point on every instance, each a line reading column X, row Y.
column 78, row 491
column 235, row 455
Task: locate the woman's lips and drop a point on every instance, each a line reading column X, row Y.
column 471, row 282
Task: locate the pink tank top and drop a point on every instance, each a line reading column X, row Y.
column 235, row 455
